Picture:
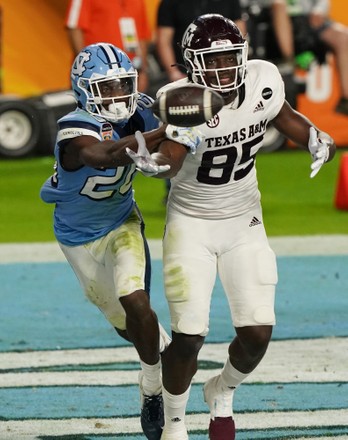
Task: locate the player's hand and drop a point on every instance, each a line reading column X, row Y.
column 143, row 160
column 319, row 147
column 189, row 136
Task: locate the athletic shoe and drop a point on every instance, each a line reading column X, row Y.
column 221, row 425
column 222, row 428
column 218, row 398
column 151, row 416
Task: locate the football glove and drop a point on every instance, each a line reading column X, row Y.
column 319, row 147
column 191, row 137
column 144, row 161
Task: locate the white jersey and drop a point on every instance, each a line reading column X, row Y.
column 219, row 181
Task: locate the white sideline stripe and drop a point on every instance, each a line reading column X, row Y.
column 311, row 360
column 257, row 420
column 294, row 245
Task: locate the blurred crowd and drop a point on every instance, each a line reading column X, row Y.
column 292, row 33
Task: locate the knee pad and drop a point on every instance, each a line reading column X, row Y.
column 252, row 298
column 264, row 315
column 190, row 326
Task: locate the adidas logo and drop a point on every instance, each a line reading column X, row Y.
column 255, row 221
column 176, row 419
column 259, row 107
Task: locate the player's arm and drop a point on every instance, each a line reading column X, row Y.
column 87, row 150
column 295, row 126
column 143, row 80
column 167, row 161
column 77, row 39
column 164, row 45
column 172, row 154
column 283, row 29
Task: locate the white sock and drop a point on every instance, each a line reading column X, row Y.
column 231, row 377
column 226, row 383
column 151, row 381
column 174, row 410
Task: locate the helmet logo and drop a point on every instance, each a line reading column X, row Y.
column 220, row 43
column 78, row 67
column 188, row 35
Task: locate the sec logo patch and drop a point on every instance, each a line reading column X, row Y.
column 213, row 122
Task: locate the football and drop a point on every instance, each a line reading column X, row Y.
column 187, row 106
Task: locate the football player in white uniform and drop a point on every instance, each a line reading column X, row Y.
column 214, row 220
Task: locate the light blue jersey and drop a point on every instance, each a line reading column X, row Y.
column 90, row 202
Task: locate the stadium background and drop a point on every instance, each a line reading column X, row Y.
column 63, row 372
column 35, row 52
column 35, row 57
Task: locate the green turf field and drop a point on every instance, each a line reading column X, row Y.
column 293, row 203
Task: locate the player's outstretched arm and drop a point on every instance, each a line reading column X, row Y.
column 180, row 141
column 303, row 132
column 164, row 163
column 171, row 153
column 144, row 160
column 295, row 126
column 87, row 150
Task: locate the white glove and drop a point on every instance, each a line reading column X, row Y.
column 189, row 136
column 319, row 147
column 144, row 160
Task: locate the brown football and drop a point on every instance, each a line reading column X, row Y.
column 187, row 106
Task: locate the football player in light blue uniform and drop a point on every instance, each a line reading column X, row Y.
column 96, row 221
column 79, row 219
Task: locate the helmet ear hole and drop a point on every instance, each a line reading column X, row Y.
column 84, row 83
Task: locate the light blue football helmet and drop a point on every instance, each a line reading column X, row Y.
column 104, row 82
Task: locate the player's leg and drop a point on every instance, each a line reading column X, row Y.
column 107, row 269
column 189, row 274
column 335, row 36
column 179, row 365
column 128, row 262
column 117, row 265
column 248, row 275
column 127, row 265
column 87, row 261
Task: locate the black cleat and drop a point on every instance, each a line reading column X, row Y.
column 152, row 418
